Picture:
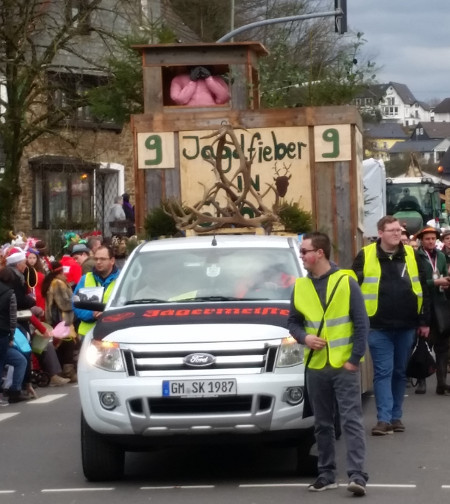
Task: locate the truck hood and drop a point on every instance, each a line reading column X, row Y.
column 193, row 322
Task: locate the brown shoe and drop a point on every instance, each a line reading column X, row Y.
column 58, row 381
column 397, row 426
column 382, row 428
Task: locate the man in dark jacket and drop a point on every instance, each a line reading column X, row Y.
column 393, row 283
column 8, row 322
column 435, row 265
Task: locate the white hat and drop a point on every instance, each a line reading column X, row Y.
column 15, row 255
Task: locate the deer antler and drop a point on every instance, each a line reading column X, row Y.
column 194, row 217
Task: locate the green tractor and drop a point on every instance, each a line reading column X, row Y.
column 415, row 201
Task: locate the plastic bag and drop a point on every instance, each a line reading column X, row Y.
column 61, row 330
column 21, row 341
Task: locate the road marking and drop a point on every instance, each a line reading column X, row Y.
column 57, row 490
column 275, row 485
column 47, row 399
column 183, row 487
column 158, row 488
column 388, row 485
column 7, row 491
column 5, row 416
column 263, row 485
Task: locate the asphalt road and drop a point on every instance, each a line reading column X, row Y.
column 40, row 462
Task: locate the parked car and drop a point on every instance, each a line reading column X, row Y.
column 193, row 347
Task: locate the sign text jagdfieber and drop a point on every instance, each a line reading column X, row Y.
column 256, row 148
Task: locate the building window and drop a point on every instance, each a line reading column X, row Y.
column 369, row 101
column 68, row 97
column 63, row 195
column 391, row 100
column 390, row 111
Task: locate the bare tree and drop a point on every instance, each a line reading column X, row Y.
column 43, row 43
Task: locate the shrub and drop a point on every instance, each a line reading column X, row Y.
column 295, row 219
column 158, row 223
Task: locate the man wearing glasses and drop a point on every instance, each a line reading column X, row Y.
column 394, row 287
column 328, row 316
column 103, row 275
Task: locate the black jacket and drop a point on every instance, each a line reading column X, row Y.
column 8, row 311
column 397, row 303
column 24, row 300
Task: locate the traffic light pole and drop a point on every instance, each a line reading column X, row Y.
column 339, row 14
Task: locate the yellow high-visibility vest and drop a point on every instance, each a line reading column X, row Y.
column 85, row 327
column 337, row 329
column 372, row 275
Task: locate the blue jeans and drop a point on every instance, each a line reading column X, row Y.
column 390, row 351
column 19, row 362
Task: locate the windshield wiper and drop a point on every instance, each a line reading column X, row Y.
column 220, row 298
column 145, row 301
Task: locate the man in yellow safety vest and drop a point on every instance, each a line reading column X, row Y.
column 394, row 287
column 104, row 275
column 328, row 316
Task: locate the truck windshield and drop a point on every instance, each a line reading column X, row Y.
column 204, row 275
column 412, row 197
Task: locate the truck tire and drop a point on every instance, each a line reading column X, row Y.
column 306, row 463
column 102, row 460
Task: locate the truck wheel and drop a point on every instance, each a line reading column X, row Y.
column 102, row 460
column 306, row 463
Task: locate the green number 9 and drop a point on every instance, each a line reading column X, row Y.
column 331, row 135
column 153, row 143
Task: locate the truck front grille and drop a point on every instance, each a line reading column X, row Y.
column 229, row 358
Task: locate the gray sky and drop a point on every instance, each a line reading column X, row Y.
column 409, row 39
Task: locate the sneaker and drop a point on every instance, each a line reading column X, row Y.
column 397, row 426
column 322, row 484
column 357, row 487
column 3, row 402
column 58, row 381
column 382, row 428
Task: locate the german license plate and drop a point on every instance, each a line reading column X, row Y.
column 198, row 388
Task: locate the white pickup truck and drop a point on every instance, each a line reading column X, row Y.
column 193, row 347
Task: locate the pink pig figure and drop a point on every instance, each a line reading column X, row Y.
column 199, row 88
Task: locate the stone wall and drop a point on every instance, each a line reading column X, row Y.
column 90, row 146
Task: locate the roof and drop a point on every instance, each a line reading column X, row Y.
column 379, row 91
column 373, row 91
column 443, row 107
column 404, row 92
column 435, row 129
column 384, row 130
column 414, row 146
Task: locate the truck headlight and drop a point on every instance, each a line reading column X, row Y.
column 290, row 353
column 105, row 355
